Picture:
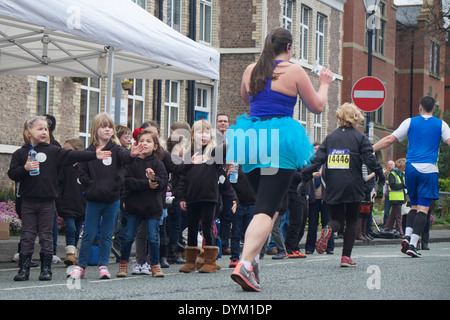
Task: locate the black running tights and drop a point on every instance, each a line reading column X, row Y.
column 345, row 213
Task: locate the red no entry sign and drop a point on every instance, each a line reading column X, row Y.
column 368, row 93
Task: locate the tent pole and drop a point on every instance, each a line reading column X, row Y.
column 215, row 98
column 110, row 81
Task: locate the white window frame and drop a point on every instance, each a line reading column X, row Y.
column 44, row 79
column 171, row 5
column 132, row 98
column 288, row 9
column 205, row 35
column 318, row 127
column 86, row 135
column 304, row 32
column 205, row 104
column 302, row 110
column 320, row 39
column 170, row 105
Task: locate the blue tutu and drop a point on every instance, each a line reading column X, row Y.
column 276, row 142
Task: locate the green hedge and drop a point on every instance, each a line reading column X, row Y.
column 444, row 185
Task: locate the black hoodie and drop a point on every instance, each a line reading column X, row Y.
column 44, row 186
column 140, row 199
column 103, row 179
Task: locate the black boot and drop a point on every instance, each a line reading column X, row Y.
column 173, row 256
column 46, row 267
column 24, row 267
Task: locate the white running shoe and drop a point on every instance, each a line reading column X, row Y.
column 145, row 269
column 136, row 269
column 104, row 273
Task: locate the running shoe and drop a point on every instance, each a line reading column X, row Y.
column 295, row 254
column 405, row 244
column 103, row 272
column 322, row 243
column 280, row 255
column 233, row 263
column 75, row 272
column 245, row 278
column 255, row 266
column 136, row 269
column 347, row 262
column 145, row 269
column 412, row 252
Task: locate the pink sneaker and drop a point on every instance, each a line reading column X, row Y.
column 321, row 244
column 103, row 272
column 347, row 262
column 75, row 272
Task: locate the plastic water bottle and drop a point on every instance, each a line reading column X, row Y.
column 234, row 175
column 32, row 154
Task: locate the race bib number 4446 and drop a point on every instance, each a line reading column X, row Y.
column 338, row 159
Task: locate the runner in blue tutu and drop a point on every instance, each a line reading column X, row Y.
column 268, row 143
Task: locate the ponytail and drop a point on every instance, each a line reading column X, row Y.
column 274, row 44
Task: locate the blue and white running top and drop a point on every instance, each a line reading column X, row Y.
column 424, row 134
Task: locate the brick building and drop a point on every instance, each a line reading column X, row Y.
column 408, row 56
column 235, row 28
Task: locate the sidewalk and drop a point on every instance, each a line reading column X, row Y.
column 9, row 247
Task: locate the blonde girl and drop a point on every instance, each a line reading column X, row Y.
column 102, row 182
column 38, row 192
column 199, row 193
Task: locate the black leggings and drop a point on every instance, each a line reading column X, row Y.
column 270, row 189
column 203, row 211
column 348, row 213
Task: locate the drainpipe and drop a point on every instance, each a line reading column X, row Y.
column 191, row 83
column 157, row 84
column 411, row 77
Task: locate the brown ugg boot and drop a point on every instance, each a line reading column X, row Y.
column 200, row 261
column 123, row 269
column 210, row 256
column 191, row 256
column 70, row 256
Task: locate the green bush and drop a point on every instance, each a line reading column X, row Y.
column 444, row 185
column 7, row 194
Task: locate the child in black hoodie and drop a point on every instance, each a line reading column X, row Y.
column 38, row 192
column 102, row 182
column 198, row 190
column 145, row 185
column 71, row 204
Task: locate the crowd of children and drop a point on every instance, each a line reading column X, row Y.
column 145, row 191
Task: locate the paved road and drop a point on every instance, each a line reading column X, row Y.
column 382, row 273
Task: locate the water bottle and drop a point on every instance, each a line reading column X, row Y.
column 32, row 154
column 234, row 175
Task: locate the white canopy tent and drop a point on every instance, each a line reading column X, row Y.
column 101, row 38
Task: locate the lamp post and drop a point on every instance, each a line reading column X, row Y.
column 371, row 7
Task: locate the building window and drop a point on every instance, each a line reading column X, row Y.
column 379, row 31
column 202, row 102
column 287, row 14
column 135, row 113
column 434, row 57
column 205, row 20
column 302, row 113
column 318, row 127
column 304, row 33
column 89, row 107
column 141, row 3
column 320, row 39
column 174, row 14
column 42, row 95
column 171, row 104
